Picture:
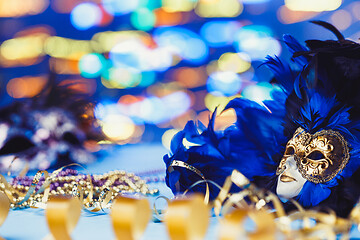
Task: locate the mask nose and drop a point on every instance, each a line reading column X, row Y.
column 290, row 163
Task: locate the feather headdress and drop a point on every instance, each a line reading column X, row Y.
column 319, row 102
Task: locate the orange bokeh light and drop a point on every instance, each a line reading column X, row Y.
column 168, row 18
column 64, row 66
column 287, row 16
column 222, row 121
column 130, row 99
column 25, row 87
column 18, row 8
column 191, row 77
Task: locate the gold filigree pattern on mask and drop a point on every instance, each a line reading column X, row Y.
column 319, row 157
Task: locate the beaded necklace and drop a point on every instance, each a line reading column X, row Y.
column 28, row 191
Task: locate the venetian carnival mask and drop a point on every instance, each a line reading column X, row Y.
column 317, row 158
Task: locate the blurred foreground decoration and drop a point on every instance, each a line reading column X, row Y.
column 52, row 128
column 153, row 64
column 250, row 213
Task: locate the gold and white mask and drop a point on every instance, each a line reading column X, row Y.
column 319, row 157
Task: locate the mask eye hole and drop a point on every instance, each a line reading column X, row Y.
column 289, row 151
column 316, row 155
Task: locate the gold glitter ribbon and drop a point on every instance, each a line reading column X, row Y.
column 62, row 215
column 178, row 163
column 187, row 219
column 130, row 217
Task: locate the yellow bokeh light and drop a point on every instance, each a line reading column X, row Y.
column 234, row 62
column 118, row 127
column 212, row 66
column 313, row 6
column 219, row 8
column 60, row 47
column 23, row 47
column 178, row 5
column 105, row 41
column 121, row 78
column 219, row 102
column 167, row 136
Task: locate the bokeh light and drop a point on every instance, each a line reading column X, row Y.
column 257, row 42
column 19, row 8
column 178, row 5
column 85, row 15
column 147, row 78
column 118, row 127
column 59, row 47
column 120, row 78
column 355, row 9
column 224, row 83
column 164, row 18
column 182, row 42
column 91, row 65
column 219, row 33
column 23, row 47
column 219, row 8
column 190, row 77
column 143, row 19
column 313, row 6
column 259, row 92
column 341, row 19
column 167, row 136
column 25, row 87
column 287, row 16
column 156, row 63
column 254, row 1
column 128, row 54
column 217, row 102
column 120, row 7
column 234, row 62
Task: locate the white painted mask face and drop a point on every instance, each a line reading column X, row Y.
column 290, row 182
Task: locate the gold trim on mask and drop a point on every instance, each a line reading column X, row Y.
column 319, row 157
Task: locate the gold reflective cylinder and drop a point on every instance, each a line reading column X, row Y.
column 62, row 215
column 187, row 219
column 4, row 207
column 231, row 227
column 130, row 217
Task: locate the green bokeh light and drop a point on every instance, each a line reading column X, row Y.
column 143, row 19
